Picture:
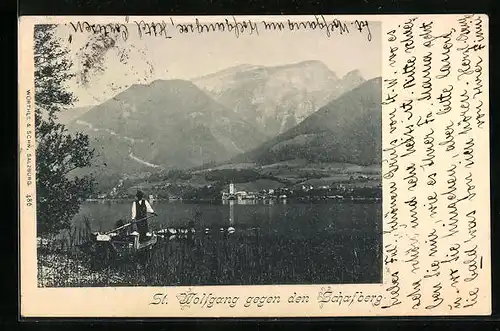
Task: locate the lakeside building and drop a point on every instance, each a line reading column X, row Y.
column 232, row 194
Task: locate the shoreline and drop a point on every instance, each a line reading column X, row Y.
column 247, row 201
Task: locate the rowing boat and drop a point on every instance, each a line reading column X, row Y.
column 106, row 247
column 119, row 245
column 127, row 243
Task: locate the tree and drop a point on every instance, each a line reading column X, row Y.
column 58, row 153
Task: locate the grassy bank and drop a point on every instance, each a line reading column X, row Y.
column 64, row 269
column 60, row 263
column 249, row 258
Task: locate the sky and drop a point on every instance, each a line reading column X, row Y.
column 186, row 56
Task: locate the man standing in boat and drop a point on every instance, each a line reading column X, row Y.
column 140, row 210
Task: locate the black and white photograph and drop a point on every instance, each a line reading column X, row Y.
column 166, row 158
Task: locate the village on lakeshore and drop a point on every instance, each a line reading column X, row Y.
column 234, row 192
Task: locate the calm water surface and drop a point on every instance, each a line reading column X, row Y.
column 333, row 242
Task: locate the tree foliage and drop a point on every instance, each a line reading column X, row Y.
column 58, row 153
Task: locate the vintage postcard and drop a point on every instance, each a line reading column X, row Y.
column 254, row 166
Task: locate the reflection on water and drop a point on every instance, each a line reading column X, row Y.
column 232, row 203
column 273, row 243
column 231, row 212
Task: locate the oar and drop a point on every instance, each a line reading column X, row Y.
column 130, row 223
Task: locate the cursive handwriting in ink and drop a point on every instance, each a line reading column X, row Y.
column 106, row 30
column 413, row 252
column 432, row 238
column 473, row 295
column 392, row 161
column 393, row 213
column 464, row 31
column 478, row 89
column 408, row 42
column 445, row 55
column 432, row 200
column 452, row 201
column 391, row 251
column 411, row 178
column 392, row 57
column 153, row 29
column 409, row 72
column 471, row 263
column 468, row 152
column 426, row 85
column 437, row 299
column 408, row 141
column 471, row 225
column 444, row 100
column 454, row 277
column 464, row 111
column 453, row 255
column 416, row 295
column 394, row 291
column 428, row 160
column 449, row 141
column 434, row 270
column 426, row 34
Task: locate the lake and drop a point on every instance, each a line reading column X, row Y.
column 280, row 243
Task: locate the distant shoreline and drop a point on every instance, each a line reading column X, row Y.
column 245, row 201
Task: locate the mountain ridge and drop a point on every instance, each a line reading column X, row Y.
column 275, row 98
column 347, row 129
column 172, row 123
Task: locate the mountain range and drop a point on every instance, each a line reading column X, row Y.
column 276, row 99
column 346, row 130
column 241, row 114
column 170, row 123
